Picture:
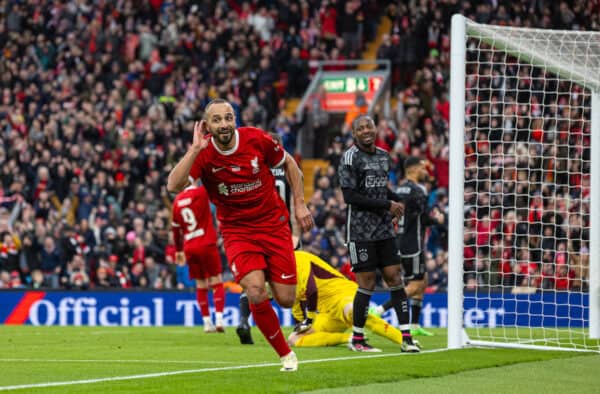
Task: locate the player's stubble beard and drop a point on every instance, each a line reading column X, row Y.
column 368, row 145
column 224, row 137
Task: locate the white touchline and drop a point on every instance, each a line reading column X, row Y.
column 201, row 370
column 49, row 360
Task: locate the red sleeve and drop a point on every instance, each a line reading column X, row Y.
column 196, row 170
column 176, row 228
column 274, row 153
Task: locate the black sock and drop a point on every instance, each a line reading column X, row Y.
column 244, row 309
column 360, row 310
column 400, row 302
column 388, row 305
column 415, row 310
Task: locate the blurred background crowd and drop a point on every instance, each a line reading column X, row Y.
column 98, row 101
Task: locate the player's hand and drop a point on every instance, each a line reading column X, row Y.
column 200, row 141
column 303, row 217
column 439, row 216
column 180, row 258
column 303, row 326
column 397, row 208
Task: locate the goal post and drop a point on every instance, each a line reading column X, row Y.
column 524, row 214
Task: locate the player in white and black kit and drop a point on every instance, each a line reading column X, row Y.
column 411, row 235
column 372, row 206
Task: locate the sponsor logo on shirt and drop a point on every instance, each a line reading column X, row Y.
column 375, row 181
column 239, row 187
column 223, row 189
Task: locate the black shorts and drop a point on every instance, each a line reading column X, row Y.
column 414, row 267
column 368, row 256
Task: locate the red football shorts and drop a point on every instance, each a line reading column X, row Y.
column 203, row 261
column 271, row 252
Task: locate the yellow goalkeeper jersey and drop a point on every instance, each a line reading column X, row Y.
column 320, row 287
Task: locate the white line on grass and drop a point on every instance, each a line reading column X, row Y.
column 47, row 360
column 201, row 370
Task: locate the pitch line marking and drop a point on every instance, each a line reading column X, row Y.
column 201, row 370
column 43, row 360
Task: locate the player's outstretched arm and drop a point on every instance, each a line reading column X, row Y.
column 294, row 177
column 178, row 177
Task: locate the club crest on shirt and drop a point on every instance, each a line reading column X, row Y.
column 254, row 164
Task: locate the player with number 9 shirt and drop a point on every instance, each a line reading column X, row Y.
column 195, row 235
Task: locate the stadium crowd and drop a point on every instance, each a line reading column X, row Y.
column 99, row 100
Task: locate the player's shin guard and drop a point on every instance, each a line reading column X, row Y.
column 219, row 296
column 268, row 323
column 360, row 309
column 202, row 298
column 244, row 309
column 382, row 328
column 415, row 311
column 400, row 302
column 323, row 339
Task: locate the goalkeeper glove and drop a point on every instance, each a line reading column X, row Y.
column 303, row 326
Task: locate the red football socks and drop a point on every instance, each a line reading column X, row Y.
column 219, row 297
column 268, row 323
column 202, row 298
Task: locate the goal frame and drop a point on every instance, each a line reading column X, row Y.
column 457, row 336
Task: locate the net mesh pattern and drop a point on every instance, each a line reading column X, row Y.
column 527, row 184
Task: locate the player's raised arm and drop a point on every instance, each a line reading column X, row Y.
column 179, row 175
column 294, row 177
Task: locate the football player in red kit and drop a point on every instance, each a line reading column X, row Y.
column 234, row 165
column 196, row 242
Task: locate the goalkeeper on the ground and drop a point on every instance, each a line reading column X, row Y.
column 323, row 306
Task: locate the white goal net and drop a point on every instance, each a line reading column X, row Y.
column 524, row 178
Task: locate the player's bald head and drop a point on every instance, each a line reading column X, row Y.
column 218, row 104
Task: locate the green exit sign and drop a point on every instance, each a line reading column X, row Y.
column 345, row 85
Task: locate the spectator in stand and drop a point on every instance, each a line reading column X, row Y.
column 349, row 27
column 359, row 107
column 102, row 98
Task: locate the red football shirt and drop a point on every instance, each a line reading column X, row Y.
column 192, row 220
column 239, row 181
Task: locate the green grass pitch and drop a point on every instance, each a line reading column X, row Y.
column 178, row 359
